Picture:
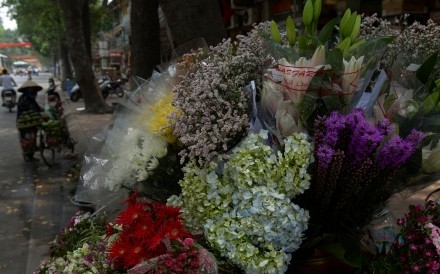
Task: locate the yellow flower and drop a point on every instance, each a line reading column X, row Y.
column 158, row 122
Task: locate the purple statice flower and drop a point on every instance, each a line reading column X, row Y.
column 385, row 127
column 397, row 150
column 353, row 118
column 324, row 155
column 364, row 140
column 214, row 108
column 335, row 124
column 335, row 121
column 415, row 137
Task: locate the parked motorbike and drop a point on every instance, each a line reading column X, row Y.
column 9, row 99
column 106, row 85
column 113, row 87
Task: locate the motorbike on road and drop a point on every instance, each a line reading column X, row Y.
column 113, row 87
column 9, row 99
column 106, row 85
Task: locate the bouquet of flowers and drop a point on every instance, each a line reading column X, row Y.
column 417, row 247
column 313, row 75
column 79, row 248
column 149, row 236
column 243, row 205
column 356, row 163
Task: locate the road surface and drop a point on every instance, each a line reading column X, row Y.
column 34, row 199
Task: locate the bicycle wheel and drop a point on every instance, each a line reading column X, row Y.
column 47, row 153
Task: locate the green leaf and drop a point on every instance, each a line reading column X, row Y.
column 424, row 72
column 332, row 103
column 307, row 106
column 326, row 31
column 429, row 103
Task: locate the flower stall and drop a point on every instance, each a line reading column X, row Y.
column 271, row 153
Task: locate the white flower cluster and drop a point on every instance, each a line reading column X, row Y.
column 415, row 41
column 254, row 163
column 244, row 206
column 261, row 220
column 135, row 157
column 87, row 259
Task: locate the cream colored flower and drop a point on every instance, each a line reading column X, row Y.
column 297, row 76
column 287, row 119
column 351, row 77
column 397, row 101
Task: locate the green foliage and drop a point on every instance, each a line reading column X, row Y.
column 40, row 21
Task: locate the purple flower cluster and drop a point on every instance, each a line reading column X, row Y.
column 355, row 162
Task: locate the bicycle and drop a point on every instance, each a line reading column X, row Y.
column 48, row 143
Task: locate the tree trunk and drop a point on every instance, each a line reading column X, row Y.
column 145, row 38
column 191, row 19
column 93, row 100
column 66, row 68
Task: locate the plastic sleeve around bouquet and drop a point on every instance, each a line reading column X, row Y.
column 412, row 104
column 295, row 93
column 134, row 147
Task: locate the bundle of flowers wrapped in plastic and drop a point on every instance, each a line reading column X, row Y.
column 355, row 165
column 150, row 237
column 314, row 73
column 412, row 101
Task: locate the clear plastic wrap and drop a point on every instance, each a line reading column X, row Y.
column 139, row 141
column 295, row 92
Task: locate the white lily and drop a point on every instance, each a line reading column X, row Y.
column 351, row 77
column 297, row 76
column 287, row 119
column 398, row 101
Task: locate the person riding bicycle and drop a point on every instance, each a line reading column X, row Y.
column 29, row 117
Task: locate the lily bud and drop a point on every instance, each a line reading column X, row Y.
column 291, row 31
column 350, row 24
column 356, row 29
column 350, row 78
column 344, row 21
column 274, row 32
column 308, row 13
column 317, row 9
column 318, row 57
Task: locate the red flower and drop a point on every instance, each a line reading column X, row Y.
column 422, row 219
column 117, row 250
column 131, row 214
column 134, row 255
column 145, row 229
